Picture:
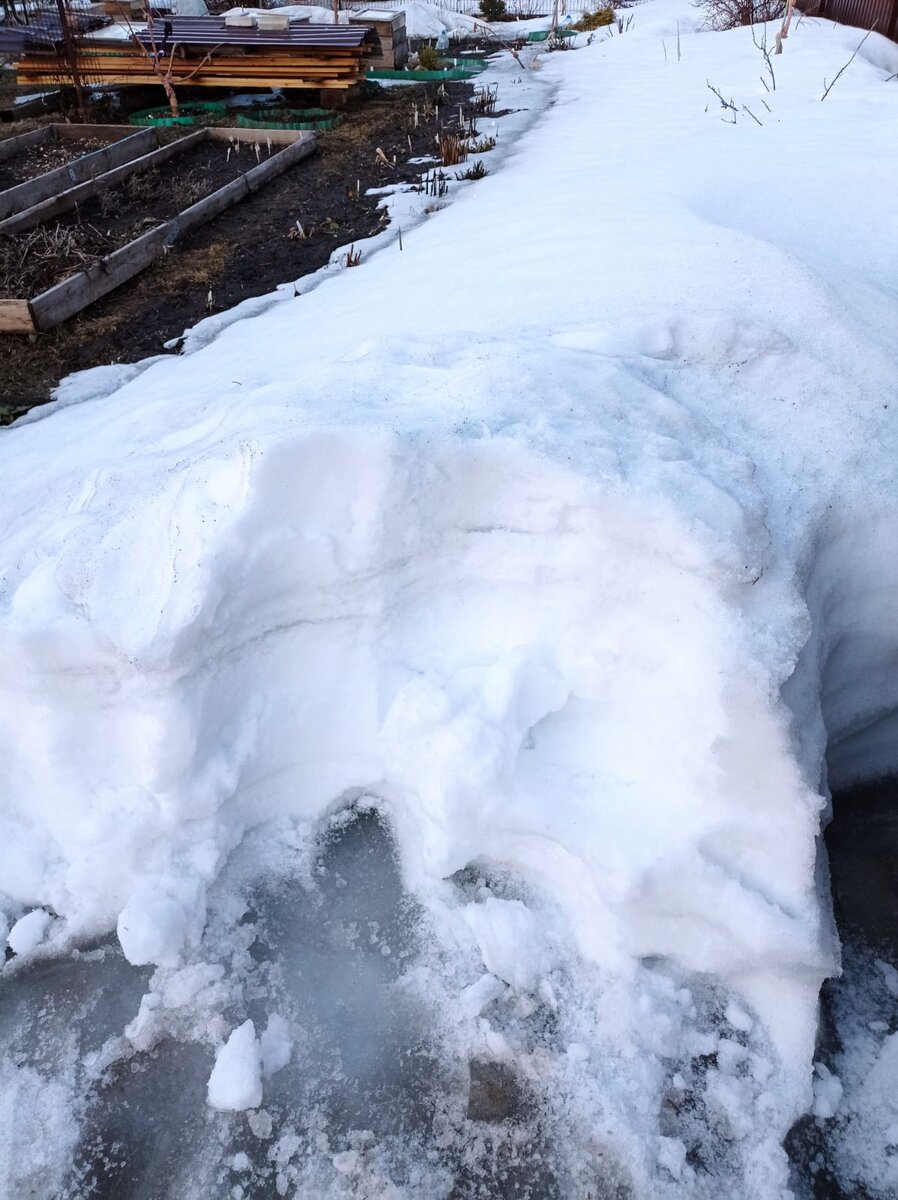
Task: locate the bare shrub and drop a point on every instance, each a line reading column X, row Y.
column 730, row 14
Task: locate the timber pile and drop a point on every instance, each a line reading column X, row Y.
column 205, row 52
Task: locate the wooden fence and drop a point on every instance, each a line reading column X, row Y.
column 880, row 15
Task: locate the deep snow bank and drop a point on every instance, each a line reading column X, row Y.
column 527, row 563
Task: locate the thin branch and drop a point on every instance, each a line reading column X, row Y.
column 723, row 103
column 829, row 87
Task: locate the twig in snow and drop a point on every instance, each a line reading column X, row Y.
column 727, row 104
column 828, row 87
column 752, row 115
column 762, row 46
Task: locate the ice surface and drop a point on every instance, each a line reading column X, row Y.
column 579, row 576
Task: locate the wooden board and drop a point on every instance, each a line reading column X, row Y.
column 15, row 317
column 22, row 141
column 283, row 65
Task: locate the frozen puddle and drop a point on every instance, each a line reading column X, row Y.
column 363, row 1086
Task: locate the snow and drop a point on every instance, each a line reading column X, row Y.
column 827, row 1092
column 236, row 1080
column 28, row 932
column 564, row 534
column 155, row 924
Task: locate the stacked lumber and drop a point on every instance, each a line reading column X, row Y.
column 391, row 34
column 205, row 52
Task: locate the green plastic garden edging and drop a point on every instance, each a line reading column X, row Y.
column 425, row 76
column 162, row 116
column 292, row 118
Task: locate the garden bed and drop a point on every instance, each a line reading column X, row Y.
column 50, row 272
column 40, row 151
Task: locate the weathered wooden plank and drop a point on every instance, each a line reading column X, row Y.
column 209, row 207
column 59, row 303
column 22, row 141
column 305, row 144
column 280, row 137
column 71, row 197
column 44, row 187
column 112, row 133
column 15, row 317
column 267, row 77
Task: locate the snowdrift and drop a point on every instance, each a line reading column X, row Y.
column 577, row 577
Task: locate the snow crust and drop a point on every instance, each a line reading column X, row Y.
column 573, row 567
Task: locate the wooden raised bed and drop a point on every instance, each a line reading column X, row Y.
column 55, row 305
column 69, row 198
column 122, row 145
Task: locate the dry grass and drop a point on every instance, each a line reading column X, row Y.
column 452, row 146
column 484, row 99
column 25, row 260
column 194, row 268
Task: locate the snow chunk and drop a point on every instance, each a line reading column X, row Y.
column 260, row 1124
column 276, row 1045
column 510, row 941
column 346, row 1162
column 477, row 996
column 671, row 1155
column 738, row 1018
column 827, row 1092
column 156, row 923
column 236, row 1080
column 28, row 932
column 889, row 976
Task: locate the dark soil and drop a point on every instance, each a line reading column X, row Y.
column 33, row 261
column 37, row 160
column 248, row 250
